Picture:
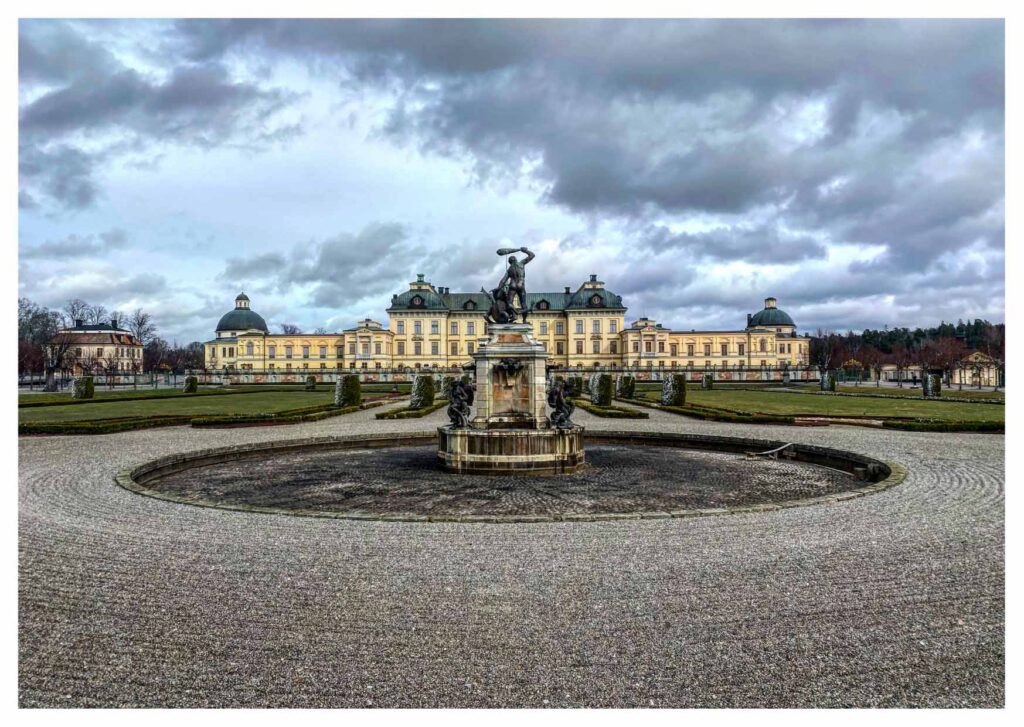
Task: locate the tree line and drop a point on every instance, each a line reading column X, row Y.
column 943, row 347
column 42, row 348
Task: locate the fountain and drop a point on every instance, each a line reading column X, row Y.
column 511, row 431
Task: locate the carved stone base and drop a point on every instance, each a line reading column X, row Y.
column 506, row 451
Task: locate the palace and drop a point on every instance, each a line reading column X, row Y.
column 429, row 327
column 99, row 348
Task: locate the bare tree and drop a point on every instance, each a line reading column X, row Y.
column 290, row 329
column 873, row 360
column 96, row 314
column 826, row 351
column 76, row 309
column 321, row 331
column 141, row 326
column 901, row 358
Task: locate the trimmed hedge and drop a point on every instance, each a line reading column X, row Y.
column 411, row 413
column 610, row 412
column 102, row 426
column 83, row 388
column 191, row 385
column 310, row 383
column 673, row 390
column 422, row 392
column 707, row 382
column 601, row 390
column 625, row 386
column 576, row 382
column 348, row 391
column 925, row 425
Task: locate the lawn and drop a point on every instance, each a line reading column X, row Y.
column 261, row 402
column 947, row 392
column 805, row 405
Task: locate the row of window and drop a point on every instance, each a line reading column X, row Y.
column 118, row 352
column 741, row 348
column 453, row 327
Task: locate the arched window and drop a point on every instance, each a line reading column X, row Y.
column 543, row 305
column 470, row 305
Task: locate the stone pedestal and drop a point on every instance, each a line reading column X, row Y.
column 510, row 431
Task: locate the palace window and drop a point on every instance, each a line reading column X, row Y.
column 365, row 349
column 636, row 347
column 543, row 305
column 674, row 350
column 339, row 351
column 453, row 329
column 248, row 349
column 661, row 347
column 707, row 349
column 351, row 349
column 272, row 351
column 434, row 348
column 305, row 352
column 597, row 346
column 454, row 348
column 597, row 326
column 417, row 328
column 613, row 326
column 579, row 346
column 560, row 348
column 271, row 366
column 287, row 351
column 470, row 305
column 435, row 327
column 741, row 347
column 288, row 367
column 401, row 348
column 417, row 349
column 648, row 347
column 579, row 326
column 469, row 348
column 401, row 328
column 559, row 328
column 725, row 349
column 323, row 352
column 376, row 348
column 471, row 329
column 614, row 346
column 323, row 365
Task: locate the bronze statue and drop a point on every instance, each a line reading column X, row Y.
column 461, row 401
column 513, row 283
column 500, row 311
column 558, row 400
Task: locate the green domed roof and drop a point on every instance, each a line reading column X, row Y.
column 242, row 318
column 770, row 316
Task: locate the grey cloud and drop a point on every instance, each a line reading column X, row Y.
column 77, row 246
column 762, row 244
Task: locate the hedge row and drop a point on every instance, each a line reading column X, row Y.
column 610, row 412
column 718, row 415
column 931, row 425
column 412, row 413
column 146, row 395
column 102, row 426
column 955, row 399
column 109, row 426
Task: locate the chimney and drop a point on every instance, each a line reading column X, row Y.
column 79, row 322
column 593, row 277
column 749, row 316
column 113, row 323
column 567, row 291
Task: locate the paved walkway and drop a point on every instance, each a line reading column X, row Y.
column 895, row 599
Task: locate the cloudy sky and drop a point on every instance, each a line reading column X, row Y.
column 854, row 170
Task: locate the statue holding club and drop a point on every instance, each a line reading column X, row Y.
column 508, row 300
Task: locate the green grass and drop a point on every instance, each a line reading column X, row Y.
column 836, row 406
column 262, row 402
column 948, row 392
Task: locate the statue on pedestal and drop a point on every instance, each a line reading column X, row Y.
column 461, row 401
column 511, row 289
column 558, row 400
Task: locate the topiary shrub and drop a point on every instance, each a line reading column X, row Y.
column 82, row 388
column 707, row 381
column 348, row 391
column 601, row 389
column 422, row 392
column 191, row 385
column 828, row 381
column 446, row 386
column 576, row 382
column 625, row 386
column 673, row 390
column 931, row 386
column 310, row 383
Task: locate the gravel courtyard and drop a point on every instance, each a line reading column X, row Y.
column 889, row 600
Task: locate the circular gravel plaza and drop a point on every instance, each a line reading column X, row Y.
column 891, row 599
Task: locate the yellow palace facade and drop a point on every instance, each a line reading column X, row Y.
column 429, row 327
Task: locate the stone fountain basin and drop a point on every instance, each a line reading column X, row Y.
column 398, row 477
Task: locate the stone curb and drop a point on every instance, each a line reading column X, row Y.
column 128, row 477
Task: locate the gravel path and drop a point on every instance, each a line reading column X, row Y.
column 895, row 599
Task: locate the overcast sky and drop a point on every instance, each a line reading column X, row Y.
column 852, row 169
